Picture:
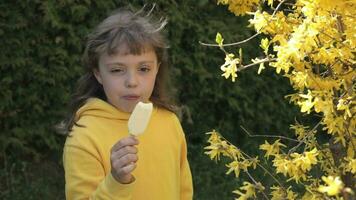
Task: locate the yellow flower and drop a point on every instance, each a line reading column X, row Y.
column 309, row 159
column 271, row 149
column 298, row 79
column 279, row 193
column 240, row 7
column 334, row 185
column 249, row 191
column 351, row 165
column 234, row 166
column 215, row 146
column 307, row 103
column 214, row 152
column 296, row 165
column 229, row 67
column 300, row 130
column 345, row 105
column 259, row 21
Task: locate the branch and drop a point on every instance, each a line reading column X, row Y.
column 272, row 136
column 303, row 140
column 256, row 63
column 269, row 173
column 351, row 140
column 277, row 8
column 340, row 26
column 231, row 44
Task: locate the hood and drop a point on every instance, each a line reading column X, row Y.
column 99, row 108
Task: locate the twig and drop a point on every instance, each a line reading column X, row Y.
column 230, row 44
column 256, row 183
column 256, row 63
column 272, row 136
column 350, row 16
column 277, row 8
column 327, row 158
column 351, row 140
column 303, row 140
column 269, row 173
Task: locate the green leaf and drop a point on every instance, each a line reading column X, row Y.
column 264, row 45
column 270, row 3
column 219, row 39
column 262, row 67
column 240, row 55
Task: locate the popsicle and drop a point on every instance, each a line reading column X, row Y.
column 139, row 118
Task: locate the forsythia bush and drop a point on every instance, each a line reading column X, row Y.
column 313, row 43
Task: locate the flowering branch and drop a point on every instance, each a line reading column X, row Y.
column 245, row 40
column 304, row 139
column 260, row 187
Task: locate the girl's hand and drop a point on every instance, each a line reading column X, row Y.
column 123, row 159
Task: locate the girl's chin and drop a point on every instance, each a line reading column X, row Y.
column 127, row 107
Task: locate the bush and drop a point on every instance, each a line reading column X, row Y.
column 40, row 63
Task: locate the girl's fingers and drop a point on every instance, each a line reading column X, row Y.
column 123, row 151
column 128, row 168
column 127, row 141
column 124, row 161
column 123, row 175
column 127, row 160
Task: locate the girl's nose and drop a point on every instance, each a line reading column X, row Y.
column 131, row 80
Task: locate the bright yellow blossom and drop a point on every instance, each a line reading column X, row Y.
column 250, row 191
column 279, row 193
column 333, row 187
column 230, row 66
column 296, row 165
column 234, row 166
column 271, row 149
column 351, row 165
column 240, row 7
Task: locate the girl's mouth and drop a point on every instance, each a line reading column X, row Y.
column 131, row 97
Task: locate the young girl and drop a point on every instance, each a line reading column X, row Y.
column 126, row 63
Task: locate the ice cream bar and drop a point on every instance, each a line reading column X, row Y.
column 139, row 118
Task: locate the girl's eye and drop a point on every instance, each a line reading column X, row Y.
column 116, row 70
column 144, row 68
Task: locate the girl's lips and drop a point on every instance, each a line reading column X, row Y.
column 131, row 97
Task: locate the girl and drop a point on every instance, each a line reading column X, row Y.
column 126, row 63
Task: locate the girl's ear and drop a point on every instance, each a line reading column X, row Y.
column 97, row 75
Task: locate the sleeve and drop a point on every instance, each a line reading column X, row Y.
column 186, row 183
column 186, row 186
column 85, row 178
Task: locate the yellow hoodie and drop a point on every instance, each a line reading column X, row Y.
column 162, row 171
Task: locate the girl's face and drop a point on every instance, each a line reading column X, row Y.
column 127, row 78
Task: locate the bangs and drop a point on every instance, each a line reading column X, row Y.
column 127, row 42
column 130, row 39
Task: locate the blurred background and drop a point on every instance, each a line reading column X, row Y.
column 41, row 43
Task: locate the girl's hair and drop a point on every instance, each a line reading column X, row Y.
column 134, row 30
